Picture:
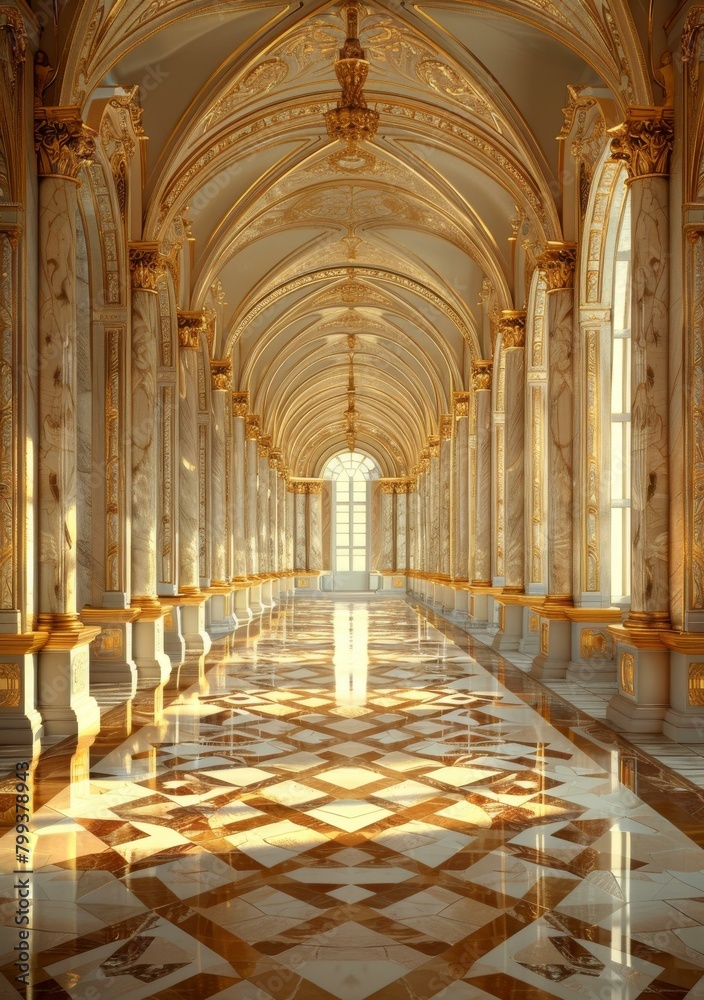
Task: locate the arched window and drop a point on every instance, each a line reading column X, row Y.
column 351, row 473
column 621, row 414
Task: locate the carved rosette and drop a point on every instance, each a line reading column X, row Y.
column 240, row 404
column 252, row 427
column 644, row 141
column 512, row 327
column 558, row 262
column 62, row 141
column 221, row 375
column 460, row 404
column 445, row 428
column 190, row 326
column 481, row 375
column 147, row 265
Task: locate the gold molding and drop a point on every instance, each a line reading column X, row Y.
column 627, row 675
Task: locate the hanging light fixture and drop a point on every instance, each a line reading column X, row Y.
column 352, row 121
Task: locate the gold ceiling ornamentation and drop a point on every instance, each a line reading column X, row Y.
column 644, row 141
column 481, row 375
column 558, row 262
column 512, row 327
column 240, row 404
column 352, row 121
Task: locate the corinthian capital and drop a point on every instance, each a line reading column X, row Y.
column 481, row 375
column 221, row 374
column 558, row 262
column 644, row 141
column 512, row 327
column 240, row 404
column 190, row 327
column 252, row 427
column 62, row 142
column 460, row 404
column 146, row 265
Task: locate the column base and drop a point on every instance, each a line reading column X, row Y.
column 195, row 637
column 630, row 717
column 255, row 598
column 510, row 631
column 684, row 721
column 65, row 702
column 148, row 643
column 643, row 674
column 555, row 644
column 20, row 722
column 683, row 727
column 111, row 657
column 240, row 603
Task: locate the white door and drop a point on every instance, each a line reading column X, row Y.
column 351, row 534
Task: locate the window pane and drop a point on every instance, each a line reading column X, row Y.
column 359, row 564
column 360, row 516
column 343, row 564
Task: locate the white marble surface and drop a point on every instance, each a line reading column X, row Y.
column 433, row 538
column 273, row 523
column 514, row 504
column 649, row 411
column 57, row 396
column 290, row 528
column 263, row 515
column 238, row 486
column 300, row 532
column 413, row 534
column 219, row 568
column 188, row 518
column 560, row 440
column 482, row 487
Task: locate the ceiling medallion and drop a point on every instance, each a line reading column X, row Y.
column 352, row 121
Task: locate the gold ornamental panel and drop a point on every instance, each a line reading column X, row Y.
column 695, row 685
column 109, row 644
column 10, row 681
column 627, row 673
column 533, row 623
column 595, row 643
column 545, row 638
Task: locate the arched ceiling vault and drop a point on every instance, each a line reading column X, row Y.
column 302, row 244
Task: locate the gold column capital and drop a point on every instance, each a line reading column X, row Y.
column 221, row 375
column 434, row 446
column 240, row 404
column 147, row 264
column 512, row 328
column 460, row 404
column 264, row 445
column 315, row 486
column 252, row 427
column 481, row 375
column 62, row 141
column 276, row 459
column 558, row 262
column 445, row 427
column 387, row 486
column 190, row 326
column 644, row 141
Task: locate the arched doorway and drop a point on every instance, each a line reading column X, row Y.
column 351, row 473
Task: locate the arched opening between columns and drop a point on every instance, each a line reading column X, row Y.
column 350, row 524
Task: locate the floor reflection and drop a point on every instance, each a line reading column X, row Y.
column 359, row 803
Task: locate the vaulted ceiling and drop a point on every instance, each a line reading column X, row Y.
column 409, row 243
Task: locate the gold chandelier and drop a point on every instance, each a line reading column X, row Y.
column 352, row 121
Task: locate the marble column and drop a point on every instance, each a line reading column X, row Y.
column 220, row 396
column 251, row 514
column 191, row 326
column 300, row 528
column 644, row 142
column 315, row 525
column 434, row 510
column 153, row 664
column 386, row 558
column 291, row 564
column 64, row 144
column 238, row 490
column 273, row 523
column 401, row 499
column 459, row 524
column 264, row 520
column 413, row 563
column 481, row 506
column 558, row 264
column 512, row 331
column 444, row 495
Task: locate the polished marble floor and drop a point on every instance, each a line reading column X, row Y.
column 358, row 802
